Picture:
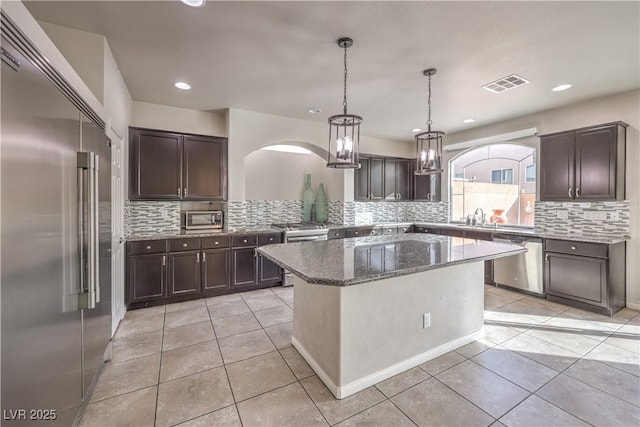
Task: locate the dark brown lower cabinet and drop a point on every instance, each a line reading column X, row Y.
column 146, row 278
column 268, row 272
column 184, row 273
column 216, row 272
column 243, row 262
column 586, row 275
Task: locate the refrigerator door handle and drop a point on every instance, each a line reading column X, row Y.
column 82, row 301
column 89, row 162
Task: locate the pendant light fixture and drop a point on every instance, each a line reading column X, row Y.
column 344, row 129
column 429, row 143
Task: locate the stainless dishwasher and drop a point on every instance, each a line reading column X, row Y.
column 521, row 271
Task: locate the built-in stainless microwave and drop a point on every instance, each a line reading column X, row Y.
column 202, row 220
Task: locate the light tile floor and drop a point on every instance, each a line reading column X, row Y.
column 228, row 361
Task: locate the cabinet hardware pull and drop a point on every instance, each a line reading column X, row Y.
column 148, row 247
column 336, row 234
column 571, row 192
column 184, row 245
column 546, row 258
column 399, row 195
column 204, row 257
column 578, row 192
column 244, row 241
column 179, row 192
column 573, row 248
column 428, row 196
column 164, row 260
column 271, row 239
column 198, row 257
column 216, row 243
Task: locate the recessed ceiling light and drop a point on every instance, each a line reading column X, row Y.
column 314, row 110
column 182, row 85
column 469, row 120
column 561, row 87
column 416, row 130
column 194, row 3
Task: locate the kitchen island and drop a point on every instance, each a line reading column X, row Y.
column 366, row 309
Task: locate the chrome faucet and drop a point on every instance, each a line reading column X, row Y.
column 483, row 218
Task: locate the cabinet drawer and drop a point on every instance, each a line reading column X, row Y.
column 421, row 229
column 244, row 240
column 576, row 248
column 339, row 233
column 358, row 232
column 147, row 247
column 268, row 239
column 452, row 232
column 179, row 245
column 215, row 242
column 386, row 231
column 374, row 231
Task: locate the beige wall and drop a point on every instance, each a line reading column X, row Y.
column 84, row 51
column 250, row 131
column 164, row 117
column 625, row 107
column 273, row 175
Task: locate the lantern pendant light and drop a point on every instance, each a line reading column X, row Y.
column 429, row 143
column 344, row 129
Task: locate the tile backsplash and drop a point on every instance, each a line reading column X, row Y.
column 562, row 218
column 567, row 218
column 151, row 217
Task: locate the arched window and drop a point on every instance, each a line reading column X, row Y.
column 498, row 178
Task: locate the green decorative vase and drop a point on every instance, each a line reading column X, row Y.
column 307, row 199
column 322, row 206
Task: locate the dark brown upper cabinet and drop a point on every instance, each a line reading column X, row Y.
column 174, row 166
column 156, row 165
column 381, row 178
column 397, row 179
column 427, row 187
column 583, row 164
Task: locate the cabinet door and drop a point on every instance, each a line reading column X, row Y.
column 268, row 272
column 146, row 277
column 578, row 278
column 390, row 179
column 403, row 179
column 205, row 168
column 184, row 273
column 557, row 167
column 376, row 178
column 361, row 181
column 216, row 273
column 243, row 267
column 427, row 187
column 155, row 165
column 596, row 163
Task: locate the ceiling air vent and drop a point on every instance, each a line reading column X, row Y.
column 506, row 83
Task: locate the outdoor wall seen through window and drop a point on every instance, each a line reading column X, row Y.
column 500, row 179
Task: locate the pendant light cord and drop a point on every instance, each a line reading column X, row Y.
column 429, row 106
column 344, row 101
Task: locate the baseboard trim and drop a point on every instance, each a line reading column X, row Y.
column 340, row 392
column 633, row 305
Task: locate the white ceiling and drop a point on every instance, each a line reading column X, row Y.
column 281, row 57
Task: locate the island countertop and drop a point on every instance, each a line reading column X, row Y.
column 352, row 261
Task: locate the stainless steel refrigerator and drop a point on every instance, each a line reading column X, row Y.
column 55, row 261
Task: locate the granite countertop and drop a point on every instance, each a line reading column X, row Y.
column 201, row 233
column 343, row 262
column 532, row 232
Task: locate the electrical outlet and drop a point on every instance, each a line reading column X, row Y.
column 426, row 320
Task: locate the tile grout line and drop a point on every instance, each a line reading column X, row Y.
column 224, row 365
column 491, row 416
column 155, row 413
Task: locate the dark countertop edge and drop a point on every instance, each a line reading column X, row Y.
column 367, row 279
column 161, row 236
column 603, row 238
